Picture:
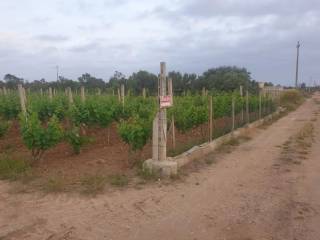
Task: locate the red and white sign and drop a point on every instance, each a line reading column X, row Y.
column 165, row 101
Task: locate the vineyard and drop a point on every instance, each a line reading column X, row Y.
column 58, row 130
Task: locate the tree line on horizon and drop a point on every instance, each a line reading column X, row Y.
column 225, row 78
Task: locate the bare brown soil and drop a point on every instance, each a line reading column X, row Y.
column 266, row 188
column 98, row 157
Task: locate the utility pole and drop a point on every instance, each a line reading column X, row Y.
column 297, row 64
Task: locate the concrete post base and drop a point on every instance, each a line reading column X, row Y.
column 165, row 168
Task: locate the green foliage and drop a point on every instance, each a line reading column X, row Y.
column 46, row 108
column 75, row 139
column 39, row 138
column 136, row 125
column 135, row 117
column 189, row 111
column 97, row 110
column 135, row 132
column 226, row 79
column 143, row 79
column 9, row 106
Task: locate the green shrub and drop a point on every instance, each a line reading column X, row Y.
column 9, row 106
column 75, row 139
column 39, row 138
column 135, row 132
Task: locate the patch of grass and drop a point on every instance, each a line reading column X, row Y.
column 147, row 174
column 233, row 142
column 13, row 169
column 209, row 160
column 176, row 177
column 223, row 148
column 305, row 136
column 227, row 145
column 92, row 185
column 291, row 99
column 119, row 180
column 54, row 185
column 297, row 145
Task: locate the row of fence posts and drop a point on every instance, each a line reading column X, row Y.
column 69, row 93
column 52, row 93
column 274, row 96
column 162, row 90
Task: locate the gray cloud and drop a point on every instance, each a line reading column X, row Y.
column 93, row 46
column 102, row 36
column 52, row 38
column 248, row 8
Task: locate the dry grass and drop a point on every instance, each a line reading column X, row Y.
column 291, row 99
column 54, row 185
column 13, row 168
column 119, row 180
column 296, row 149
column 93, row 185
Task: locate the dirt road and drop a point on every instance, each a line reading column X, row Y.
column 267, row 188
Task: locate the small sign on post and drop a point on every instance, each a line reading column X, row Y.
column 165, row 101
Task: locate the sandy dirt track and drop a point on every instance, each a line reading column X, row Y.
column 249, row 194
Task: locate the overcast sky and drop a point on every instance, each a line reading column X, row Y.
column 102, row 36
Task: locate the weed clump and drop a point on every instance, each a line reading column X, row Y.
column 119, row 180
column 12, row 169
column 54, row 185
column 92, row 185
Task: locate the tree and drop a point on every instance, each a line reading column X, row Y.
column 91, row 82
column 65, row 82
column 117, row 79
column 226, row 79
column 143, row 79
column 183, row 82
column 12, row 81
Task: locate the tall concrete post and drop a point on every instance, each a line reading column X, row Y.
column 82, row 94
column 159, row 161
column 122, row 93
column 22, row 99
column 50, row 93
column 162, row 127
